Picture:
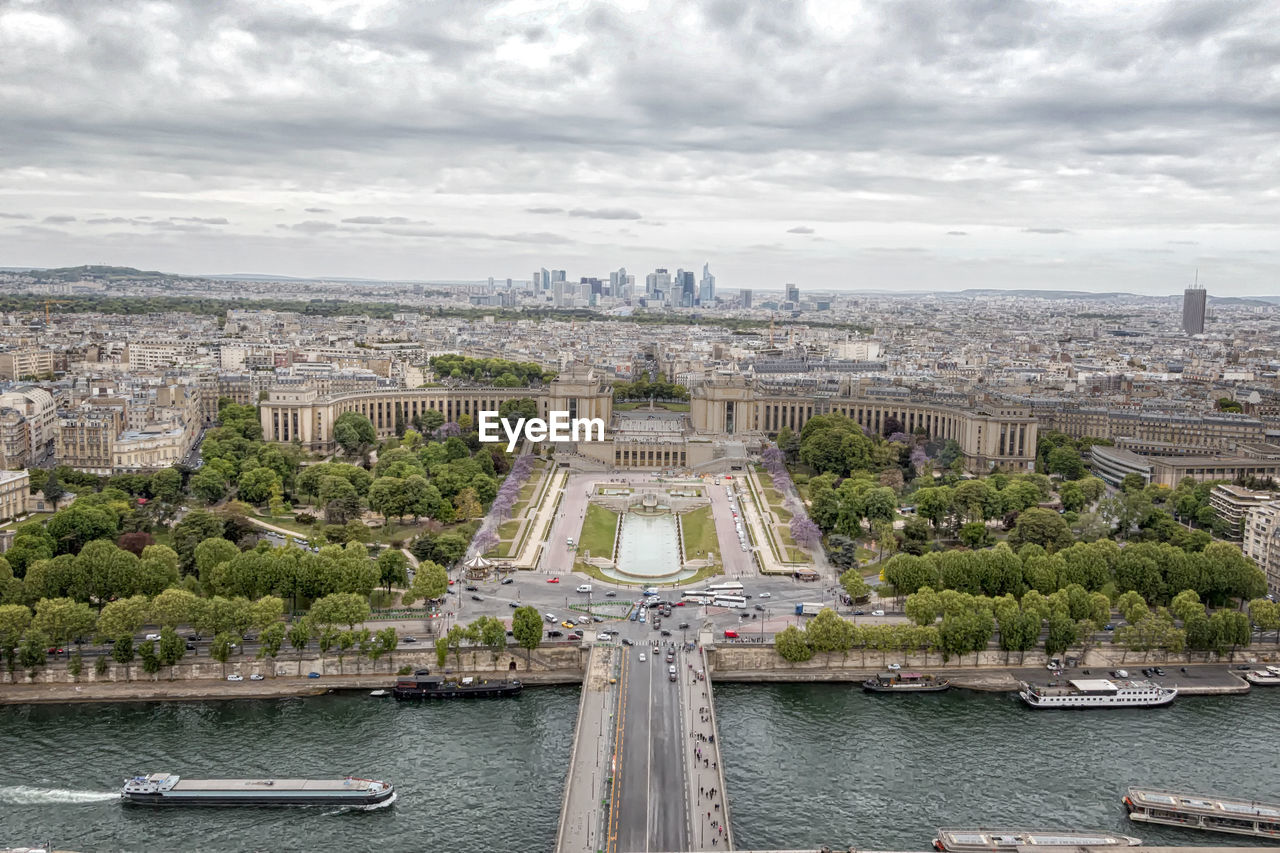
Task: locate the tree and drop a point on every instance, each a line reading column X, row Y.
column 340, row 608
column 1062, row 634
column 166, row 485
column 526, row 627
column 1042, row 527
column 299, row 635
column 172, row 649
column 63, row 620
column 220, row 649
column 828, row 633
column 392, row 568
column 15, row 619
column 72, row 528
column 53, row 490
column 31, row 654
column 150, row 660
column 1132, row 606
column 792, row 645
column 430, row 582
column 354, row 433
column 173, row 607
column 257, row 485
column 1132, row 483
column 123, row 653
column 854, row 585
column 123, row 616
column 974, row 534
column 194, row 528
column 385, row 643
column 270, row 641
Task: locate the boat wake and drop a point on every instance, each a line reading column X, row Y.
column 25, row 795
column 374, row 807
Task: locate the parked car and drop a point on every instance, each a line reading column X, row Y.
column 234, row 677
column 408, row 639
column 567, row 624
column 313, row 675
column 257, row 676
column 152, row 637
column 597, row 618
column 894, row 667
column 683, row 625
column 877, row 612
column 859, row 613
column 191, row 647
column 1108, row 627
column 555, row 634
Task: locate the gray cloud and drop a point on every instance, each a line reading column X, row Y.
column 883, row 121
column 800, row 229
column 605, row 213
column 60, row 219
column 957, row 233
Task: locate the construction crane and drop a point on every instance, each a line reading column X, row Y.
column 49, row 302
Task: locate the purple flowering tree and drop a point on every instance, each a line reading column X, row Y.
column 447, row 431
column 805, row 532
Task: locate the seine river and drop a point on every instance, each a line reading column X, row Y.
column 807, row 765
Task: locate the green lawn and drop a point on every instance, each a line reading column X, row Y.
column 700, row 538
column 35, row 516
column 509, row 529
column 598, row 531
column 289, row 523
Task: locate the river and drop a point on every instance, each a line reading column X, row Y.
column 807, row 765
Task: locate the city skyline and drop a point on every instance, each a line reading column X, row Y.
column 896, row 146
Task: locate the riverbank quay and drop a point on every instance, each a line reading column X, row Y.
column 195, row 690
column 1139, row 849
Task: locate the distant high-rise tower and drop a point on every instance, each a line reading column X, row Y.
column 707, row 287
column 793, row 293
column 1193, row 302
column 546, row 279
column 745, row 296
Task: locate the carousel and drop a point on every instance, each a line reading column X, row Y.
column 478, row 568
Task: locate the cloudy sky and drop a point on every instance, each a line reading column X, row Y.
column 905, row 145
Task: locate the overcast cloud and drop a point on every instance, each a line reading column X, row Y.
column 1094, row 146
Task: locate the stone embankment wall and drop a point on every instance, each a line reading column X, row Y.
column 566, row 660
column 762, row 663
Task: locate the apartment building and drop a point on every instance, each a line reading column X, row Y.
column 1232, row 503
column 15, row 489
column 20, row 363
column 1261, row 540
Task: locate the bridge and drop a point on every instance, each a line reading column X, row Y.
column 645, row 772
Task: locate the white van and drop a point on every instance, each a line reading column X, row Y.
column 569, row 541
column 550, row 617
column 584, row 587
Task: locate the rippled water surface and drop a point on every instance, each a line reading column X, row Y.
column 826, row 764
column 807, row 765
column 471, row 776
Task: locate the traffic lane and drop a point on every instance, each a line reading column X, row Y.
column 633, row 774
column 667, row 793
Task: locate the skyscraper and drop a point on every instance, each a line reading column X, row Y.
column 707, row 289
column 793, row 294
column 546, row 279
column 745, row 296
column 1193, row 302
column 686, row 287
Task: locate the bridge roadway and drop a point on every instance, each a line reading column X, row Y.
column 644, row 759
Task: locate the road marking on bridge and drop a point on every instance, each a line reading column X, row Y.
column 620, row 715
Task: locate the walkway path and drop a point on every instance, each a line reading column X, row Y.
column 709, row 824
column 583, row 814
column 527, row 558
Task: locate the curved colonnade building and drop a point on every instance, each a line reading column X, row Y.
column 728, row 421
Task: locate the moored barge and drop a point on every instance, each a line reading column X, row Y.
column 1263, row 677
column 905, row 682
column 166, row 789
column 1200, row 811
column 987, row 840
column 426, row 686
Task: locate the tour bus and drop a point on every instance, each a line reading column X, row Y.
column 727, row 586
column 729, row 601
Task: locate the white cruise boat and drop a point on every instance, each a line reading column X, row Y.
column 1098, row 693
column 1263, row 677
column 1012, row 840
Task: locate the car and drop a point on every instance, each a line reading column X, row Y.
column 597, row 618
column 56, row 650
column 513, row 604
column 553, row 580
column 666, row 633
column 626, row 641
column 567, row 624
column 194, row 637
column 257, row 676
column 477, row 598
column 555, row 634
column 234, row 677
column 683, row 625
column 635, row 614
column 604, row 636
column 730, row 634
column 471, row 588
column 759, row 607
column 877, row 612
column 611, row 594
column 1243, row 666
column 642, row 657
column 766, row 595
column 313, row 675
column 894, row 667
column 1121, row 673
column 408, row 639
column 671, row 674
column 450, row 582
column 1108, row 627
column 152, row 637
column 671, row 656
column 650, row 591
column 575, row 635
column 1157, row 671
column 550, row 617
column 506, row 581
column 583, row 587
column 191, row 647
column 859, row 613
column 681, row 603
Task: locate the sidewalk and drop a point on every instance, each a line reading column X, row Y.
column 582, row 814
column 709, row 823
column 540, row 525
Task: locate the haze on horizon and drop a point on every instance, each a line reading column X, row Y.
column 891, row 145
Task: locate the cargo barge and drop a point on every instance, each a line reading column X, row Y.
column 166, row 789
column 423, row 685
column 987, row 840
column 905, row 682
column 1200, row 811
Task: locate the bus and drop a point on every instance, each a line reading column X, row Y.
column 729, row 601
column 727, row 586
column 698, row 597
